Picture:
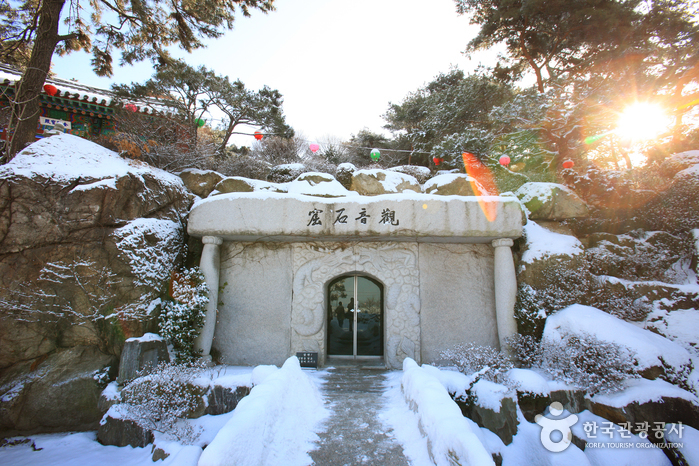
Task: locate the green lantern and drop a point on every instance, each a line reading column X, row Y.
column 375, row 154
column 200, row 122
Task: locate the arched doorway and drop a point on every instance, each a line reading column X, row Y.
column 355, row 330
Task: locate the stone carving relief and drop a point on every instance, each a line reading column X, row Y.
column 395, row 264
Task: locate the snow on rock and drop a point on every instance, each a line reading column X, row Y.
column 643, row 391
column 454, row 381
column 146, row 337
column 551, row 201
column 65, row 157
column 685, row 436
column 450, row 438
column 274, row 425
column 490, row 395
column 150, row 246
column 647, row 348
column 543, row 243
column 318, row 184
column 455, row 184
column 371, row 182
column 528, row 381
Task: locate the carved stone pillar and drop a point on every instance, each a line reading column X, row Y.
column 209, row 265
column 505, row 289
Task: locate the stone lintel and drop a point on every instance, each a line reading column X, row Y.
column 391, row 217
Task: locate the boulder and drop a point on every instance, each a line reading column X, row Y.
column 56, row 392
column 224, row 399
column 200, row 182
column 141, row 354
column 119, row 431
column 495, row 408
column 377, row 181
column 551, row 201
column 638, row 255
column 344, row 173
column 454, row 184
column 677, row 208
column 238, row 184
column 285, row 173
column 652, row 354
column 420, row 173
column 87, row 241
column 319, row 185
column 552, row 274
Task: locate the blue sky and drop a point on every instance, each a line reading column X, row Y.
column 338, row 63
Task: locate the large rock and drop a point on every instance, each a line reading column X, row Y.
column 238, row 184
column 141, row 354
column 224, row 399
column 495, row 408
column 376, row 181
column 200, row 182
column 454, row 184
column 677, row 208
column 87, row 242
column 119, row 431
column 551, row 201
column 552, row 274
column 58, row 392
column 318, row 184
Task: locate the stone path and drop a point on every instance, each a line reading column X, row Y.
column 353, row 434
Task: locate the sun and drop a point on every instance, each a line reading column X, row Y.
column 642, row 121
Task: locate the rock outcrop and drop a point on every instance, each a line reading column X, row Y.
column 87, row 242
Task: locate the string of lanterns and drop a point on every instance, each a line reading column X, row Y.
column 375, row 153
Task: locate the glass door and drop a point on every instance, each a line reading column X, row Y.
column 355, row 317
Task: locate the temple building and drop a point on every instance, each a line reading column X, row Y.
column 353, row 276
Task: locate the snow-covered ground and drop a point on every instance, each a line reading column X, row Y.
column 279, row 421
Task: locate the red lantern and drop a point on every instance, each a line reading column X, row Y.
column 568, row 164
column 50, row 89
column 437, row 160
column 131, row 108
column 504, row 160
column 258, row 135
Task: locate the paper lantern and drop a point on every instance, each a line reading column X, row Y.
column 437, row 160
column 131, row 107
column 50, row 89
column 314, row 147
column 504, row 160
column 375, row 154
column 199, row 122
column 258, row 135
column 568, row 164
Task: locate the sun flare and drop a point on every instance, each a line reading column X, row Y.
column 642, row 121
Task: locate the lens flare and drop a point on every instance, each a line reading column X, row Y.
column 483, row 185
column 642, row 121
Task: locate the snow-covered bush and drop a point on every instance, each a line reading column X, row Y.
column 489, row 362
column 182, row 317
column 162, row 400
column 589, row 363
column 581, row 360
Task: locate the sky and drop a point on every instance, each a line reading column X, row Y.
column 338, row 63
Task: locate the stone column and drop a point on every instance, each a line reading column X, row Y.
column 505, row 289
column 209, row 265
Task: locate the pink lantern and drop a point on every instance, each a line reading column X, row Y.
column 568, row 164
column 314, row 147
column 504, row 160
column 131, row 108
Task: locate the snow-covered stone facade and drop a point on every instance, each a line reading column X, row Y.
column 272, row 256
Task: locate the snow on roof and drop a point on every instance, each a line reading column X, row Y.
column 66, row 157
column 646, row 347
column 542, row 243
column 79, row 91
